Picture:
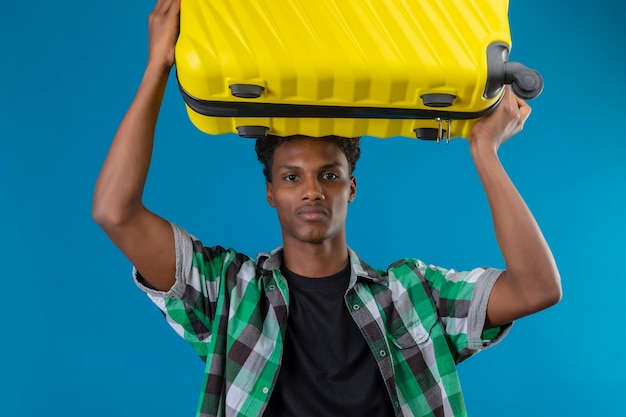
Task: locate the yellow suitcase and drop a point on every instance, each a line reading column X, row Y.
column 384, row 68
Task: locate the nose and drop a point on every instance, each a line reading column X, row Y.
column 312, row 190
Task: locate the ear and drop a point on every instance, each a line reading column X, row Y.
column 269, row 194
column 352, row 189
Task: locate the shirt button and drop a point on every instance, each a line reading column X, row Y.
column 266, row 390
column 272, row 287
column 356, row 307
column 382, row 353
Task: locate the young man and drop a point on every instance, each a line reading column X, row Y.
column 310, row 329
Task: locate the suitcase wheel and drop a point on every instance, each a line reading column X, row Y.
column 438, row 100
column 526, row 83
column 246, row 90
column 252, row 131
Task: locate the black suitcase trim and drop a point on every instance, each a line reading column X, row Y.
column 250, row 109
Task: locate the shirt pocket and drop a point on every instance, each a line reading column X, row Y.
column 409, row 333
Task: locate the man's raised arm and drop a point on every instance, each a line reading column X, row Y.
column 531, row 281
column 146, row 239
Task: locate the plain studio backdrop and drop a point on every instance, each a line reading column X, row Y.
column 77, row 338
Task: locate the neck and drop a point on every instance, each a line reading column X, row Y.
column 315, row 260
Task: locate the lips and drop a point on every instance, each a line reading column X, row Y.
column 311, row 213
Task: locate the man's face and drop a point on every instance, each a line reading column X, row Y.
column 310, row 189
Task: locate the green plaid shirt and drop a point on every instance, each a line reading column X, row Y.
column 418, row 320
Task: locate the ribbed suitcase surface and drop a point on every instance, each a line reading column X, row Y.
column 347, row 67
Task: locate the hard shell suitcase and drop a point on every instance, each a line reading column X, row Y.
column 382, row 68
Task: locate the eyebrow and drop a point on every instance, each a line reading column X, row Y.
column 323, row 167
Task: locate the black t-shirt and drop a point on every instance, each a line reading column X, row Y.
column 327, row 367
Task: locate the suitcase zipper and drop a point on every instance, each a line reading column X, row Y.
column 249, row 109
column 219, row 108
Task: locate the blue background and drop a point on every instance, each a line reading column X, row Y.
column 77, row 338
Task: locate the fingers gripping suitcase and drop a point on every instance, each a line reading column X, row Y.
column 415, row 68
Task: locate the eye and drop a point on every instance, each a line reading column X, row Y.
column 290, row 177
column 330, row 176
